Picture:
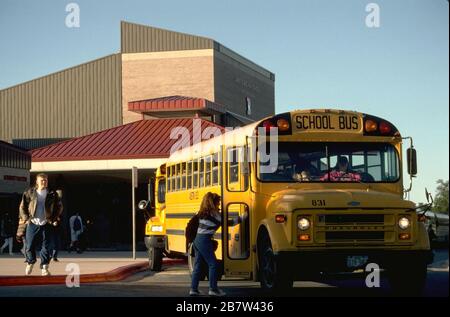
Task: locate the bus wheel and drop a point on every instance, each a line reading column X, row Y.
column 408, row 279
column 155, row 256
column 191, row 263
column 271, row 274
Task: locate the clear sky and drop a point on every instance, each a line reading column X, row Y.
column 322, row 53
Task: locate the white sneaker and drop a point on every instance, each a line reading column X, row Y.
column 29, row 269
column 193, row 292
column 216, row 292
column 45, row 271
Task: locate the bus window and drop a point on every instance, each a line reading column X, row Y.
column 173, row 178
column 233, row 166
column 208, row 170
column 161, row 191
column 202, row 173
column 195, row 171
column 362, row 162
column 215, row 169
column 189, row 175
column 237, row 169
column 169, row 174
column 177, row 177
column 183, row 176
column 238, row 236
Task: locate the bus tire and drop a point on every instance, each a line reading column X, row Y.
column 155, row 257
column 273, row 275
column 408, row 279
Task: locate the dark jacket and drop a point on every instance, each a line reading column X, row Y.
column 27, row 209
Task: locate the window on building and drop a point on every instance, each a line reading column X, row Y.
column 248, row 106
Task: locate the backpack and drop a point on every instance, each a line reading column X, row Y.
column 77, row 224
column 191, row 229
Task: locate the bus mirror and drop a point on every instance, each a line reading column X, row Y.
column 143, row 205
column 411, row 158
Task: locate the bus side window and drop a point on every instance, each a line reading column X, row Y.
column 169, row 179
column 208, row 170
column 183, row 176
column 189, row 175
column 233, row 166
column 202, row 173
column 195, row 169
column 238, row 236
column 237, row 169
column 169, row 171
column 178, row 176
column 215, row 169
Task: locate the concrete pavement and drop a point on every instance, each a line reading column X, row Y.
column 93, row 267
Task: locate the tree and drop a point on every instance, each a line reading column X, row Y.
column 441, row 199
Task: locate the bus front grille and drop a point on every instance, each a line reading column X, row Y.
column 354, row 236
column 351, row 219
column 363, row 229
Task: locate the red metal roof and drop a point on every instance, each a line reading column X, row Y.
column 174, row 103
column 140, row 139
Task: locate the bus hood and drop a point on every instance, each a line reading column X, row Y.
column 291, row 199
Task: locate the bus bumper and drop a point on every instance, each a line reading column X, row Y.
column 338, row 260
column 155, row 242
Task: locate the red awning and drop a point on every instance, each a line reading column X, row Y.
column 175, row 103
column 141, row 139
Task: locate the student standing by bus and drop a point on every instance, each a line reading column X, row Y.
column 210, row 220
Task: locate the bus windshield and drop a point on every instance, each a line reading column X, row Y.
column 331, row 162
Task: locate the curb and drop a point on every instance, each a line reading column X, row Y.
column 115, row 275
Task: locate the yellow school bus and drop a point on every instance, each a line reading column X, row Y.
column 323, row 191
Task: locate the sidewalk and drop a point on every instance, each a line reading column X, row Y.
column 93, row 267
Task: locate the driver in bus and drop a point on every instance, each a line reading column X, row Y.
column 341, row 173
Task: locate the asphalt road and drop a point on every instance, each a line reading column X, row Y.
column 174, row 281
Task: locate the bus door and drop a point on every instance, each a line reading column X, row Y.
column 235, row 200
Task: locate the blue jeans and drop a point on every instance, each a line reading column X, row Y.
column 56, row 242
column 33, row 236
column 204, row 252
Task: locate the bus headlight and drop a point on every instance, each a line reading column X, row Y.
column 303, row 224
column 404, row 223
column 157, row 228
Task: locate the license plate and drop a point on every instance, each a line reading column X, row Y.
column 356, row 261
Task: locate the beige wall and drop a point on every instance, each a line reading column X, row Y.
column 73, row 102
column 160, row 74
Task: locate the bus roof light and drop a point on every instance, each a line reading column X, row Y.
column 268, row 125
column 370, row 126
column 283, row 124
column 385, row 128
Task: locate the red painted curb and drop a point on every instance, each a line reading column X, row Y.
column 111, row 276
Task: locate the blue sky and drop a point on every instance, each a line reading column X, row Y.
column 322, row 53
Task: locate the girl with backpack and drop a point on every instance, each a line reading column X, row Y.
column 210, row 220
